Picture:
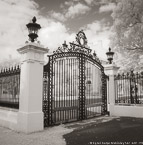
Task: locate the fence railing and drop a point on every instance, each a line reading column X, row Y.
column 10, row 87
column 129, row 88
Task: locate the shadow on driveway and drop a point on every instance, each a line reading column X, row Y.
column 106, row 131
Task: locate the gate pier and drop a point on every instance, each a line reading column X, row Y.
column 30, row 115
column 111, row 70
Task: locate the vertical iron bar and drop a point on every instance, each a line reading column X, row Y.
column 71, row 112
column 50, row 82
column 104, row 93
column 58, row 118
column 59, row 74
column 82, row 86
column 61, row 89
column 54, row 96
column 64, row 84
column 57, row 94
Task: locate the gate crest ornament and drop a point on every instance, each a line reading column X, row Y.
column 80, row 46
column 81, row 38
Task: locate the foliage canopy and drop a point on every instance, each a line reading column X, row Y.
column 127, row 38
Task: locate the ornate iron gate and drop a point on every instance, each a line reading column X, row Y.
column 74, row 84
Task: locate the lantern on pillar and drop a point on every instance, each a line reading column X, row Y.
column 110, row 56
column 33, row 29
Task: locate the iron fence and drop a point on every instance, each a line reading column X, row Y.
column 10, row 87
column 129, row 88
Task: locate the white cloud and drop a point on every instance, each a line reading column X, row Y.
column 58, row 16
column 73, row 9
column 108, row 7
column 54, row 34
column 89, row 2
column 98, row 37
column 69, row 3
column 14, row 15
column 77, row 9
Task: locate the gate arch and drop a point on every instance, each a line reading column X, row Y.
column 74, row 86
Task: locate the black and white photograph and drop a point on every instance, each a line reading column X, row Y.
column 71, row 72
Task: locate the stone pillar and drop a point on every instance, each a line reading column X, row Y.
column 111, row 70
column 30, row 115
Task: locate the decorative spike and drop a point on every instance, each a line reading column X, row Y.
column 137, row 73
column 12, row 68
column 18, row 67
column 34, row 19
column 15, row 67
column 65, row 45
column 94, row 54
column 142, row 73
column 2, row 70
column 132, row 70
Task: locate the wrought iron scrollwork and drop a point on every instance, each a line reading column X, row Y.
column 80, row 46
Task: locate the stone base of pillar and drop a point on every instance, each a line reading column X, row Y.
column 30, row 122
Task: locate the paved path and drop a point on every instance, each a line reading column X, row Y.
column 101, row 131
column 50, row 136
column 106, row 131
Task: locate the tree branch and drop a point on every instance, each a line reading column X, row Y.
column 133, row 24
column 135, row 48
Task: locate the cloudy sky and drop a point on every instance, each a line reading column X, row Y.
column 60, row 20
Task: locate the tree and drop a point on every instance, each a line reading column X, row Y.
column 127, row 38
